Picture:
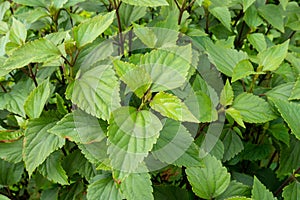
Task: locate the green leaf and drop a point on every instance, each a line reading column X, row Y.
column 273, row 14
column 97, row 91
column 131, row 14
column 79, row 127
column 272, row 57
column 14, row 100
column 18, row 32
column 282, row 91
column 290, row 112
column 222, row 14
column 255, row 152
column 224, row 58
column 296, row 90
column 76, row 163
column 10, row 135
column 103, row 187
column 171, row 106
column 227, row 95
column 50, row 194
column 12, row 152
column 38, row 143
column 236, row 115
column 235, row 189
column 2, row 197
column 247, row 4
column 53, row 170
column 287, row 164
column 37, row 99
column 146, row 35
column 259, row 191
column 280, row 132
column 252, row 18
column 137, row 186
column 131, row 135
column 253, row 108
column 4, row 6
column 41, row 50
column 31, row 2
column 137, row 79
column 258, row 41
column 174, row 142
column 170, row 192
column 292, row 191
column 202, row 106
column 90, row 29
column 210, row 181
column 233, row 145
column 10, row 173
column 243, row 69
column 162, row 64
column 152, row 3
column 95, row 152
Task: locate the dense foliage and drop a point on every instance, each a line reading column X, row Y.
column 149, row 99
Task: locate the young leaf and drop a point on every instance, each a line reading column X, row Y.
column 173, row 143
column 79, row 127
column 37, row 99
column 41, row 50
column 171, row 106
column 89, row 30
column 4, row 6
column 292, row 191
column 290, row 112
column 97, row 91
column 103, row 187
column 253, row 109
column 137, row 186
column 131, row 135
column 273, row 14
column 53, row 170
column 272, row 57
column 259, row 191
column 146, row 35
column 137, row 79
column 168, row 69
column 152, row 3
column 210, row 181
column 227, row 95
column 38, row 143
column 242, row 69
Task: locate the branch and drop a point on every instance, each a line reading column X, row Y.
column 286, row 182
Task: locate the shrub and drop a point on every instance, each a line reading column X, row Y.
column 138, row 99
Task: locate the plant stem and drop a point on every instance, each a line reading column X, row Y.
column 121, row 42
column 32, row 75
column 3, row 88
column 286, row 182
column 181, row 11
